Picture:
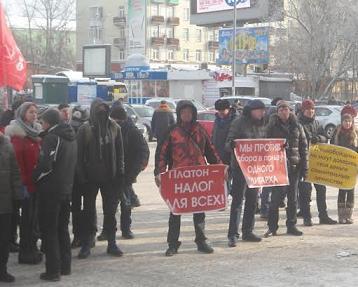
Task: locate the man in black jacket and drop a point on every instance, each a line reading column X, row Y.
column 314, row 134
column 251, row 125
column 284, row 125
column 162, row 119
column 54, row 176
column 100, row 166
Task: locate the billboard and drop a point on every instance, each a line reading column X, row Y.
column 215, row 13
column 136, row 26
column 205, row 6
column 252, row 46
column 97, row 61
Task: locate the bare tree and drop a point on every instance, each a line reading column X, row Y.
column 320, row 42
column 48, row 36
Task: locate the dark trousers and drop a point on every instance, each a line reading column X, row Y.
column 291, row 209
column 174, row 229
column 239, row 189
column 305, row 192
column 110, row 196
column 15, row 221
column 54, row 215
column 5, row 237
column 77, row 211
column 29, row 233
column 346, row 198
column 126, row 217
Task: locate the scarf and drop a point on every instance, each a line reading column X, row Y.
column 32, row 131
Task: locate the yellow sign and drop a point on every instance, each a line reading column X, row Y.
column 333, row 165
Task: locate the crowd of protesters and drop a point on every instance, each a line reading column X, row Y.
column 54, row 163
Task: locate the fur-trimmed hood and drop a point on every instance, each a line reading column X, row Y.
column 14, row 129
column 274, row 120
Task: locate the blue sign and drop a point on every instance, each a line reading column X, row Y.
column 252, row 46
column 232, row 2
column 141, row 75
column 136, row 68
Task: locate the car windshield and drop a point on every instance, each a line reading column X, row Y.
column 144, row 112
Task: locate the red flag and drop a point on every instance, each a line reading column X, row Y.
column 13, row 67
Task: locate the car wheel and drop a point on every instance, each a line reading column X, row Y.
column 330, row 130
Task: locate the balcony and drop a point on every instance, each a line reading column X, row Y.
column 173, row 21
column 157, row 20
column 157, row 41
column 119, row 21
column 173, row 43
column 213, row 45
column 119, row 43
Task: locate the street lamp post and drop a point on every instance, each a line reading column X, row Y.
column 234, row 50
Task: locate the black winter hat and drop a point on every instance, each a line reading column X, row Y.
column 52, row 117
column 118, row 113
column 255, row 105
column 221, row 104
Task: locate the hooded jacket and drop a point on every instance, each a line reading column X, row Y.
column 296, row 142
column 55, row 171
column 220, row 133
column 136, row 151
column 162, row 119
column 185, row 145
column 27, row 152
column 10, row 179
column 100, row 147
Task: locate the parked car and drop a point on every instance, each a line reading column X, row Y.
column 207, row 119
column 155, row 102
column 137, row 120
column 245, row 99
column 145, row 113
column 329, row 117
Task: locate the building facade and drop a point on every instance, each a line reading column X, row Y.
column 163, row 32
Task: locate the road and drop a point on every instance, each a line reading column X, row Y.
column 324, row 256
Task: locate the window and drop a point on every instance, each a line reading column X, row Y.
column 323, row 112
column 186, row 34
column 171, row 55
column 155, row 54
column 186, row 14
column 155, row 31
column 121, row 11
column 198, row 56
column 96, row 13
column 198, row 35
column 122, row 55
column 96, row 35
column 186, row 55
column 122, row 33
column 171, row 11
column 212, row 57
column 170, row 33
column 155, row 9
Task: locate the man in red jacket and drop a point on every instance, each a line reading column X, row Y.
column 186, row 144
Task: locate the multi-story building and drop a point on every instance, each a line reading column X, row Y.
column 164, row 33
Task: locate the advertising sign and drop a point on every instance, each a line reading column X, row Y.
column 262, row 161
column 205, row 6
column 333, row 166
column 136, row 26
column 195, row 189
column 252, row 46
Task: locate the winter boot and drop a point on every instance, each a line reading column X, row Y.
column 292, row 230
column 50, row 277
column 341, row 213
column 204, row 247
column 349, row 214
column 6, row 277
column 327, row 220
column 85, row 250
column 113, row 248
column 173, row 249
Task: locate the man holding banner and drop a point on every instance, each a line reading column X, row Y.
column 284, row 125
column 251, row 125
column 187, row 145
column 315, row 134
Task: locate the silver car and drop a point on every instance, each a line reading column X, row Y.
column 329, row 117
